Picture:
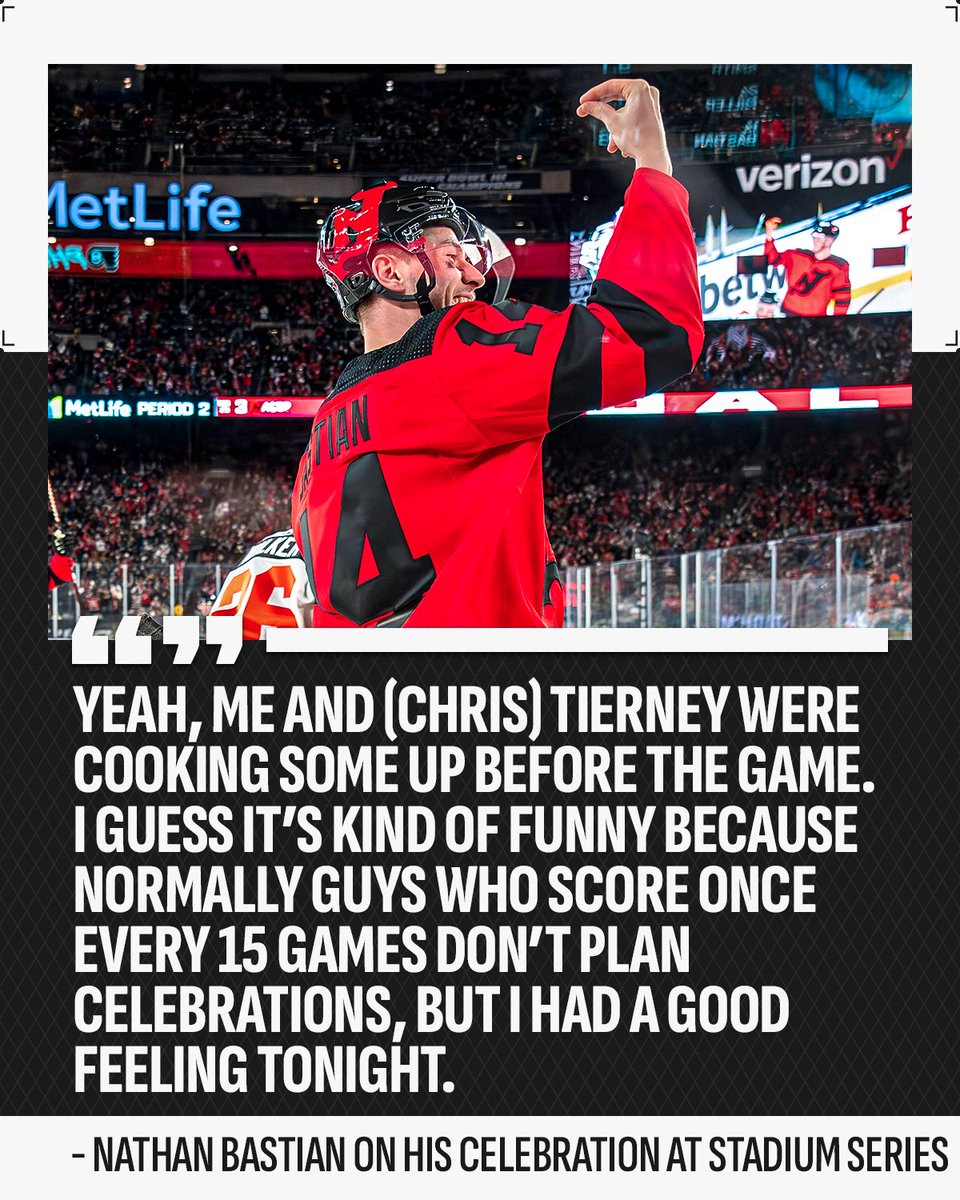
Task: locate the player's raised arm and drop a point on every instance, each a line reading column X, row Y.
column 517, row 371
column 770, row 227
column 648, row 280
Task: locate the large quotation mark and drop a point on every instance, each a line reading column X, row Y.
column 133, row 648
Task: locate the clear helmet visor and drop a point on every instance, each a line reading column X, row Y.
column 486, row 251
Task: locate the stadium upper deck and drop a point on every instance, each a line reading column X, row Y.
column 275, row 120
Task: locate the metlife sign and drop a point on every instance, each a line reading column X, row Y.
column 192, row 210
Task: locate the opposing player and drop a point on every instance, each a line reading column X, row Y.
column 816, row 278
column 419, row 499
column 267, row 587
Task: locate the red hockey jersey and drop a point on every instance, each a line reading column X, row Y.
column 59, row 570
column 419, row 499
column 811, row 282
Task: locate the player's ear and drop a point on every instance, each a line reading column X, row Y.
column 388, row 268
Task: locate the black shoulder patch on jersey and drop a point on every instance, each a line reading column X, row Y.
column 838, row 262
column 417, row 342
column 513, row 310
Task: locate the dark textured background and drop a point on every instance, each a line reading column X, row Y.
column 874, row 1019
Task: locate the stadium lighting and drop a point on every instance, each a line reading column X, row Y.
column 149, row 241
column 127, row 82
column 51, row 241
column 139, row 66
column 520, row 241
column 440, row 69
column 233, row 248
column 389, row 85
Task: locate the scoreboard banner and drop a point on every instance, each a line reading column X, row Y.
column 305, row 407
column 771, row 400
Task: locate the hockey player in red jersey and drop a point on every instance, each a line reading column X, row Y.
column 60, row 569
column 419, row 498
column 815, row 277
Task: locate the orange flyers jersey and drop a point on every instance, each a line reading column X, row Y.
column 268, row 587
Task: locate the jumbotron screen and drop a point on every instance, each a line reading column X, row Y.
column 746, row 271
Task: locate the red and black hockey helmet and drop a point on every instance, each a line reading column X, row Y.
column 827, row 228
column 395, row 213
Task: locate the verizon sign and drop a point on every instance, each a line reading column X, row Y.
column 812, row 172
column 796, row 187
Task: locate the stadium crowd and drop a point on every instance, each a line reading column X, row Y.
column 151, row 512
column 489, row 116
column 610, row 495
column 136, row 338
column 804, row 352
column 142, row 339
column 254, row 125
column 625, row 496
column 95, row 133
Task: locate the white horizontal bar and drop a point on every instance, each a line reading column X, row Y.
column 577, row 641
